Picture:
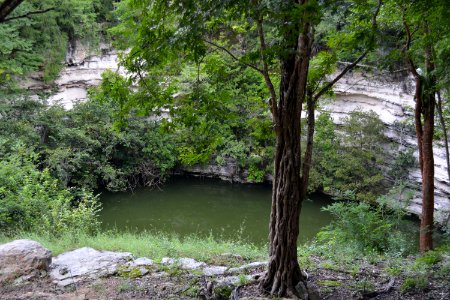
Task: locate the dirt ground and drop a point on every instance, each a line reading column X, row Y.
column 369, row 283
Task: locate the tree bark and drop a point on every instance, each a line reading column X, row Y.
column 284, row 271
column 284, row 274
column 426, row 224
column 428, row 111
column 445, row 132
column 424, row 111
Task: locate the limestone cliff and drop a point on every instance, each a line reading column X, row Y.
column 391, row 99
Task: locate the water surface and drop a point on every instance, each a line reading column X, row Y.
column 186, row 206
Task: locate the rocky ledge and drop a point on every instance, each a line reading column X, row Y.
column 28, row 271
column 22, row 261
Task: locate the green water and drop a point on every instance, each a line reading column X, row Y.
column 188, row 206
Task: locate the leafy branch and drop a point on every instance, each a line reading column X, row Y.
column 350, row 66
column 28, row 14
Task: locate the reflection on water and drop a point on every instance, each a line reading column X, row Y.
column 188, row 206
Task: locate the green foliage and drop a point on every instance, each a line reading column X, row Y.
column 348, row 158
column 429, row 259
column 418, row 282
column 402, row 164
column 426, row 268
column 193, row 60
column 83, row 149
column 362, row 228
column 33, row 200
column 223, row 291
column 203, row 109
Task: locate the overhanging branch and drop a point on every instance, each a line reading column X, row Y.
column 265, row 72
column 28, row 14
column 350, row 66
column 234, row 56
column 330, row 84
column 412, row 67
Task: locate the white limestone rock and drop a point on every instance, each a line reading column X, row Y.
column 214, row 270
column 248, row 267
column 83, row 263
column 183, row 263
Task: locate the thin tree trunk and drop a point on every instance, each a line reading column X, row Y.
column 424, row 110
column 426, row 224
column 444, row 130
column 428, row 110
column 307, row 162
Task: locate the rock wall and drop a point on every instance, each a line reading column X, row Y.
column 392, row 99
column 81, row 72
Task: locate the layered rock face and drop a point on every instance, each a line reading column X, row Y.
column 81, row 72
column 392, row 99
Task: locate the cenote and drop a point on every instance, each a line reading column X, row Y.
column 187, row 205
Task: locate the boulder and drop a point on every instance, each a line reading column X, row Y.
column 136, row 268
column 86, row 263
column 183, row 263
column 248, row 267
column 23, row 258
column 214, row 270
column 140, row 262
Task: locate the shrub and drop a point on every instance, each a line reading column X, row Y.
column 32, row 200
column 348, row 157
column 364, row 229
column 83, row 147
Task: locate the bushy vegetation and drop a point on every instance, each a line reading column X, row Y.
column 359, row 228
column 32, row 200
column 94, row 146
column 82, row 147
column 350, row 159
column 52, row 160
column 214, row 118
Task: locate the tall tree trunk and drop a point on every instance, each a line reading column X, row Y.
column 428, row 110
column 284, row 274
column 426, row 224
column 445, row 132
column 424, row 111
column 284, row 271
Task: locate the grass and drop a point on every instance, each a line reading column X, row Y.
column 152, row 245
